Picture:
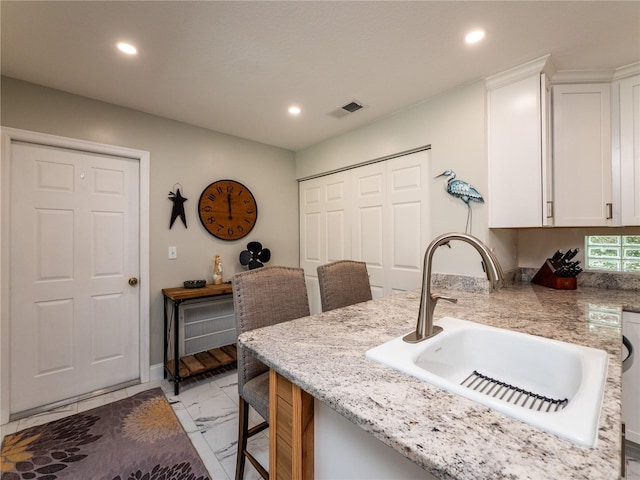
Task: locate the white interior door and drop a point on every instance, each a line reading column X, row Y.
column 376, row 213
column 74, row 240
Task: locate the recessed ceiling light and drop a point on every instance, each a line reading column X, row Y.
column 474, row 36
column 294, row 110
column 127, row 48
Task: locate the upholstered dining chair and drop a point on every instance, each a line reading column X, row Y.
column 343, row 283
column 261, row 297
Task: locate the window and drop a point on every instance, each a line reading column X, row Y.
column 613, row 253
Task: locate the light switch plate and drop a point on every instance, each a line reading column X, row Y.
column 173, row 253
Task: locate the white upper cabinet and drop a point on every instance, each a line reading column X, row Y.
column 629, row 144
column 582, row 155
column 565, row 156
column 520, row 186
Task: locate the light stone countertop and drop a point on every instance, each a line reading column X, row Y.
column 448, row 435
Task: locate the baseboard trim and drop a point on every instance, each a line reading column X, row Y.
column 156, row 372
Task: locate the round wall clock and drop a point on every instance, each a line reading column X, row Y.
column 227, row 209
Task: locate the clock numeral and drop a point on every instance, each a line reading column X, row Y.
column 240, row 192
column 219, row 190
column 211, row 220
column 207, row 208
column 211, row 197
column 248, row 221
column 250, row 211
column 230, row 189
column 246, row 201
column 230, row 231
column 240, row 228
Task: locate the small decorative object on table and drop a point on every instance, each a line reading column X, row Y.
column 217, row 270
column 194, row 283
column 559, row 271
column 254, row 256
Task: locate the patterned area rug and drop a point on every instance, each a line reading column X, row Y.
column 138, row 438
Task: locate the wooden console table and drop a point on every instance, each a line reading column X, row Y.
column 188, row 366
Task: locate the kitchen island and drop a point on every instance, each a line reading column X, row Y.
column 447, row 435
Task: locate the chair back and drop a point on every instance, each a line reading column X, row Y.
column 343, row 283
column 262, row 297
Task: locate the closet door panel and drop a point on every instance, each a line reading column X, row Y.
column 368, row 222
column 407, row 194
column 377, row 213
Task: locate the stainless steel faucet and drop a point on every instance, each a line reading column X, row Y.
column 425, row 328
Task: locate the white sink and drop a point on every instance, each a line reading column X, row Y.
column 514, row 371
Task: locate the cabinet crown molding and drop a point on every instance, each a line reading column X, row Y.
column 595, row 76
column 539, row 65
column 582, row 76
column 626, row 71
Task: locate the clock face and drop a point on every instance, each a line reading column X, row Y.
column 227, row 209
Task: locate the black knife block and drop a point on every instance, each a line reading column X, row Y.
column 546, row 276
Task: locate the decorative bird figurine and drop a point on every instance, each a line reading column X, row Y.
column 464, row 191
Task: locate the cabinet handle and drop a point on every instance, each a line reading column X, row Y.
column 549, row 209
column 609, row 211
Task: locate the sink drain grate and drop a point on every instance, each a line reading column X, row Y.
column 509, row 393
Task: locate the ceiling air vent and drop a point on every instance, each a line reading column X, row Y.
column 347, row 109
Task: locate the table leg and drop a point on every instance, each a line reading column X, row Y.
column 176, row 352
column 166, row 339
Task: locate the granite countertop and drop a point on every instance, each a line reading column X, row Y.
column 447, row 435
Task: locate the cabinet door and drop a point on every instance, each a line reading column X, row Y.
column 517, row 154
column 631, row 379
column 582, row 155
column 630, row 150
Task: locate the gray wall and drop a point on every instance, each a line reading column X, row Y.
column 454, row 124
column 182, row 153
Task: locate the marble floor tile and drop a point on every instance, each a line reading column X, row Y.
column 8, row 429
column 100, row 400
column 185, row 419
column 633, row 470
column 48, row 416
column 633, row 461
column 228, row 382
column 211, row 462
column 141, row 387
column 258, row 446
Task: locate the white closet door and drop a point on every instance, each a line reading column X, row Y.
column 376, row 213
column 325, row 230
column 408, row 219
column 369, row 214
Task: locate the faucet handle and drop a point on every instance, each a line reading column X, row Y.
column 437, row 296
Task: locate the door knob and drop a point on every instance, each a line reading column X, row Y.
column 133, row 281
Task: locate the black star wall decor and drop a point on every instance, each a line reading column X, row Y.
column 178, row 208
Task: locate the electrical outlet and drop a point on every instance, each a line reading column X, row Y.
column 173, row 253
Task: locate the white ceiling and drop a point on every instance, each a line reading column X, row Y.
column 236, row 66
